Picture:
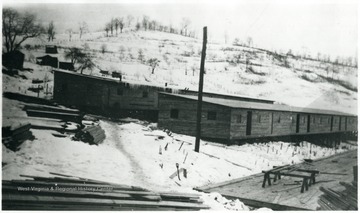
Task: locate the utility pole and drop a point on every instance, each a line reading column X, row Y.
column 201, row 82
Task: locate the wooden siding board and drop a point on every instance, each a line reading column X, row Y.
column 186, row 121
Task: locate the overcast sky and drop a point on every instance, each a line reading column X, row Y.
column 326, row 26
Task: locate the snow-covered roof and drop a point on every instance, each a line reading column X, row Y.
column 219, row 94
column 108, row 79
column 260, row 106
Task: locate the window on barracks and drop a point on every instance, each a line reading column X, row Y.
column 120, row 91
column 145, row 94
column 313, row 120
column 238, row 119
column 335, row 120
column 174, row 113
column 303, row 120
column 320, row 120
column 279, row 119
column 292, row 119
column 259, row 118
column 211, row 115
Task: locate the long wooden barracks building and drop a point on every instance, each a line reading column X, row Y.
column 93, row 93
column 233, row 120
column 99, row 94
column 224, row 117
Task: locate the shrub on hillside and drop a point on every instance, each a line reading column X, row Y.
column 103, row 48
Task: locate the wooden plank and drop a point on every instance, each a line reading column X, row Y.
column 261, row 204
column 69, row 192
column 94, row 202
column 250, row 188
column 238, row 165
column 79, row 207
column 88, row 180
column 59, row 115
column 49, row 108
column 66, row 184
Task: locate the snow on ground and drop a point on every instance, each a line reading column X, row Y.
column 134, row 154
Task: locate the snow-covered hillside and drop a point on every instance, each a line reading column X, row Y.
column 289, row 80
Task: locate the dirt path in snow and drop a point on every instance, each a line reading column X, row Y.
column 113, row 133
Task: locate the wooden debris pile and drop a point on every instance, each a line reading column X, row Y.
column 339, row 200
column 38, row 110
column 69, row 193
column 14, row 135
column 91, row 134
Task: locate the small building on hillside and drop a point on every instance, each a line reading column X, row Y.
column 105, row 94
column 47, row 60
column 231, row 120
column 51, row 49
column 66, row 66
column 13, row 60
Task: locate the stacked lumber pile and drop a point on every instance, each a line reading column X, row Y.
column 91, row 134
column 339, row 200
column 15, row 135
column 38, row 110
column 68, row 193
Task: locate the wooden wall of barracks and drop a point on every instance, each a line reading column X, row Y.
column 102, row 94
column 186, row 121
column 231, row 123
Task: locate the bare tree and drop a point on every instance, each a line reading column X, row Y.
column 184, row 26
column 74, row 54
column 86, row 63
column 193, row 68
column 17, row 28
column 129, row 20
column 51, row 31
column 289, row 53
column 141, row 55
column 236, row 41
column 103, row 48
column 78, row 57
column 70, row 32
column 319, row 56
column 138, row 26
column 121, row 24
column 249, row 41
column 107, row 29
column 116, row 25
column 153, row 63
column 145, row 22
column 153, row 25
column 112, row 23
column 83, row 28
